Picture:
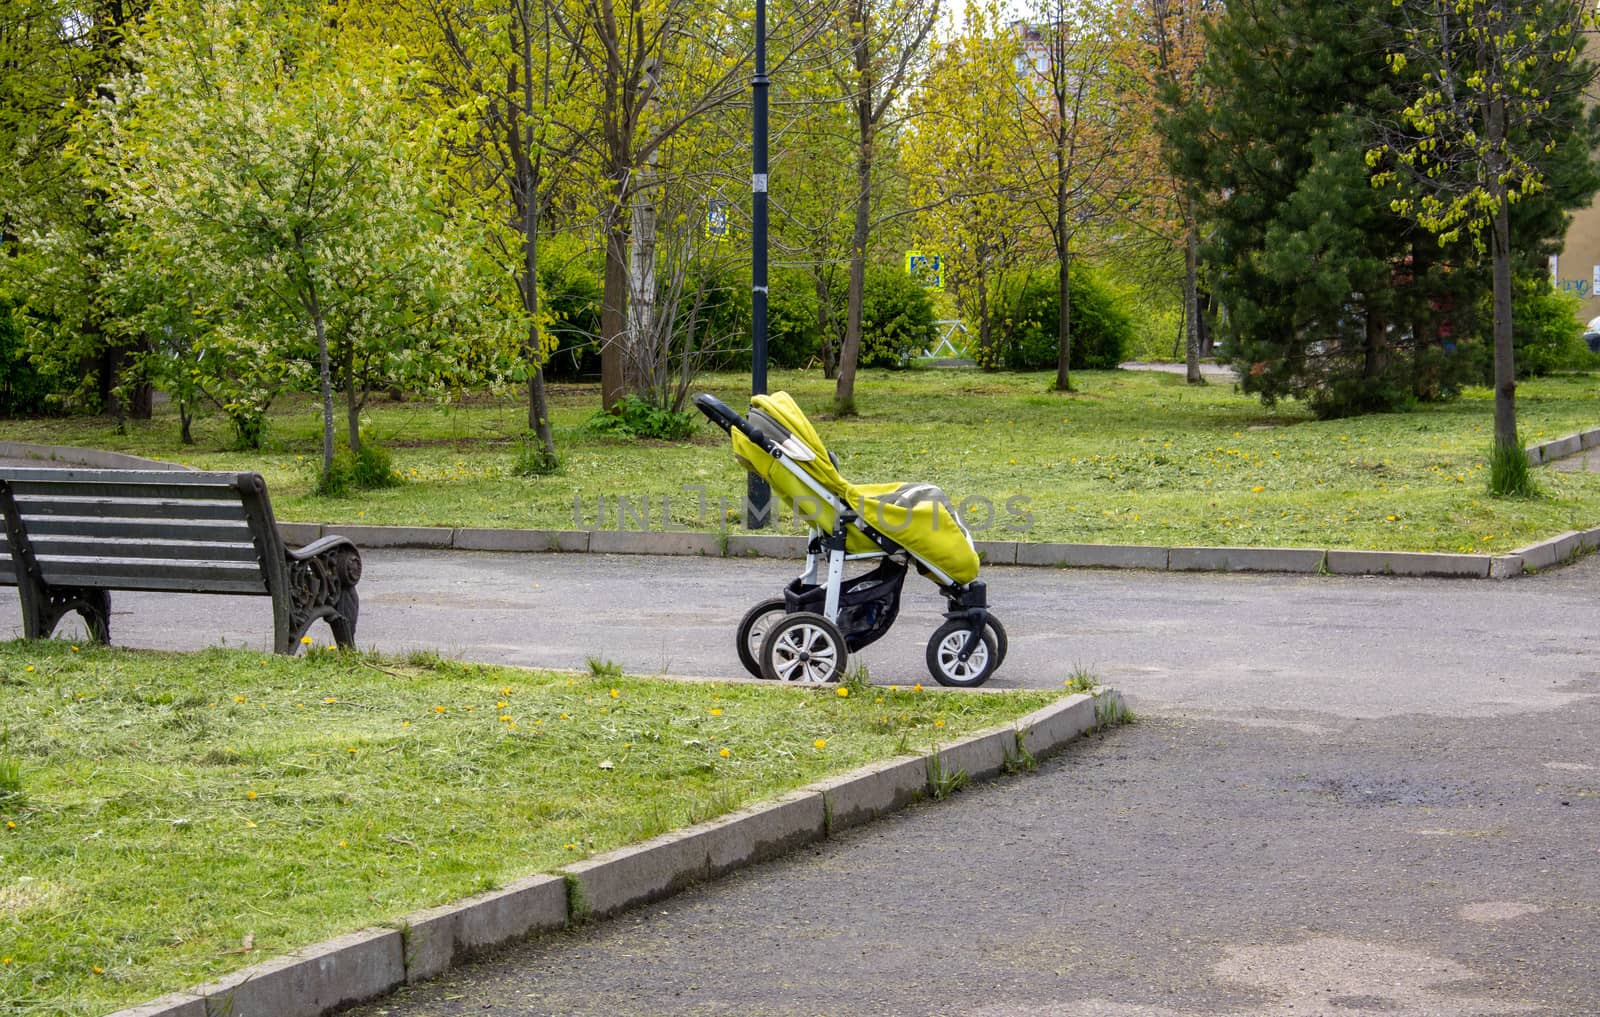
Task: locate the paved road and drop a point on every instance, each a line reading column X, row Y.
column 1345, row 797
column 1205, row 644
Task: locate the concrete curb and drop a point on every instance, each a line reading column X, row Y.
column 75, row 456
column 370, row 963
column 1292, row 560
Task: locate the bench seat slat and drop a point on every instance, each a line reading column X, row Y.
column 130, row 508
column 90, row 475
column 143, row 574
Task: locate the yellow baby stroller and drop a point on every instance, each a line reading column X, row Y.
column 808, row 633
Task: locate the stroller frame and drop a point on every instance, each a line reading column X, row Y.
column 966, row 604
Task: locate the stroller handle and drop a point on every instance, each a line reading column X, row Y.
column 718, row 413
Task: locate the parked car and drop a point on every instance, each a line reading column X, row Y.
column 1591, row 335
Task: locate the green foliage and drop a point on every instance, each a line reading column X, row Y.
column 1331, row 296
column 370, row 469
column 1545, row 329
column 569, row 284
column 794, row 336
column 896, row 318
column 1510, row 475
column 11, row 790
column 632, row 417
column 23, row 389
column 533, row 459
column 1027, row 332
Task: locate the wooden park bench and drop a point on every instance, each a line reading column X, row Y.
column 75, row 535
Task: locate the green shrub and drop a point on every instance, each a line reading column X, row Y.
column 23, row 389
column 570, row 291
column 896, row 318
column 632, row 417
column 1545, row 329
column 532, row 459
column 1030, row 308
column 366, row 470
column 794, row 338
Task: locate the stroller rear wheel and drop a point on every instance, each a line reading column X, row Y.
column 803, row 647
column 944, row 655
column 753, row 629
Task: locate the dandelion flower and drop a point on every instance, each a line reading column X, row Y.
column 616, row 694
column 74, row 649
column 98, row 970
column 10, row 825
column 842, row 692
column 307, row 640
column 917, row 687
column 240, row 699
column 938, row 723
column 716, row 711
column 405, row 723
column 438, row 709
column 820, row 743
column 344, row 843
column 249, row 824
column 724, row 753
column 353, row 751
column 330, row 699
column 29, row 669
column 250, row 795
column 506, row 691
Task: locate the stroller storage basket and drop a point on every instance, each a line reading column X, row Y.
column 868, row 604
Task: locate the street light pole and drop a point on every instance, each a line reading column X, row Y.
column 758, row 499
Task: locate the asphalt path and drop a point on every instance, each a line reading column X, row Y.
column 1344, row 796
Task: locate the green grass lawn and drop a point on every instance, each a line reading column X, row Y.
column 156, row 809
column 1131, row 458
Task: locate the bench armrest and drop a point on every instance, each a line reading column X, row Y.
column 319, row 546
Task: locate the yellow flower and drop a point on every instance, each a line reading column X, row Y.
column 250, row 795
column 566, row 716
column 74, row 649
column 894, row 688
column 506, row 691
column 5, row 960
column 405, row 723
column 724, row 753
column 98, row 970
column 352, row 751
column 938, row 723
column 572, row 847
column 615, row 694
column 716, row 711
column 330, row 699
column 249, row 824
column 344, row 843
column 504, row 719
column 307, row 640
column 240, row 699
column 30, row 669
column 842, row 692
column 917, row 687
column 501, row 705
column 820, row 743
column 438, row 709
column 10, row 825
column 1257, row 489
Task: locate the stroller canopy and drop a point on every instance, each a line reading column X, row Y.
column 918, row 517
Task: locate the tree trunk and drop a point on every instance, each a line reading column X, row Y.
column 1191, row 304
column 987, row 356
column 1064, row 317
column 1505, row 367
column 613, row 315
column 844, row 398
column 324, row 376
column 826, row 347
column 352, row 405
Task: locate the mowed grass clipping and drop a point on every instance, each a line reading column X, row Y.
column 165, row 818
column 1131, row 457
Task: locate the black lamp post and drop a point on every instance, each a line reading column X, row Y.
column 758, row 500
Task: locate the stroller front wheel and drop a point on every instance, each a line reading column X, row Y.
column 944, row 655
column 753, row 631
column 803, row 647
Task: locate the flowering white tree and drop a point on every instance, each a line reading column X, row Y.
column 275, row 174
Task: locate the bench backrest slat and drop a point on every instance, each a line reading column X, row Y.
column 139, row 529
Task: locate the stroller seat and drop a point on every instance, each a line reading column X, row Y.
column 917, row 516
